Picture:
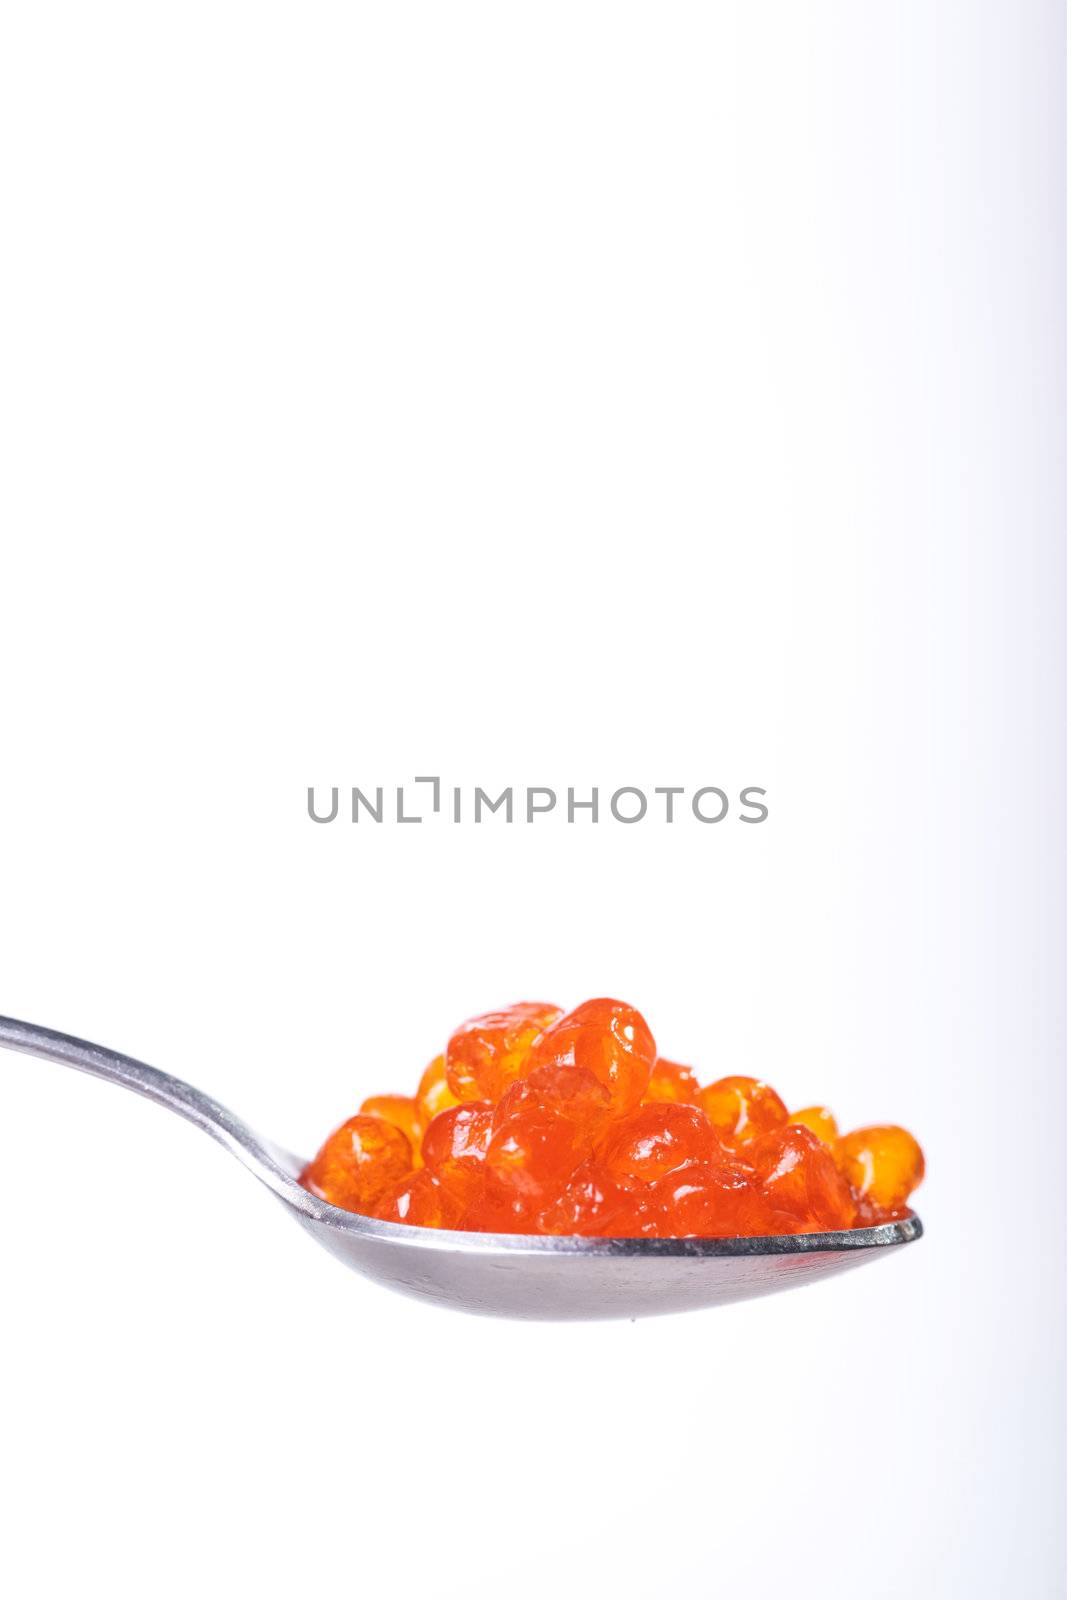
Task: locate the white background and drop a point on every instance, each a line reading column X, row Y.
column 559, row 394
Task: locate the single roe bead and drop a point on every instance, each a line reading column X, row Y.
column 656, row 1138
column 433, row 1094
column 534, row 1151
column 821, row 1122
column 742, row 1108
column 710, row 1199
column 422, row 1202
column 672, row 1082
column 799, row 1177
column 403, row 1112
column 487, row 1053
column 359, row 1162
column 572, row 1091
column 454, row 1146
column 609, row 1039
column 883, row 1164
column 592, row 1201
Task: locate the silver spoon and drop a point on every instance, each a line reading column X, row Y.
column 554, row 1278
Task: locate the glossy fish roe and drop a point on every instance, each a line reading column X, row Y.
column 422, row 1202
column 533, row 1121
column 487, row 1053
column 655, row 1139
column 534, row 1150
column 741, row 1109
column 572, row 1091
column 821, row 1122
column 455, row 1144
column 883, row 1165
column 673, row 1082
column 609, row 1039
column 433, row 1094
column 360, row 1161
column 404, row 1112
column 712, row 1199
column 595, row 1200
column 800, row 1178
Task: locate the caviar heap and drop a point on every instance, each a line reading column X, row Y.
column 536, row 1121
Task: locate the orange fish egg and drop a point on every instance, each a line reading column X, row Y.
column 673, row 1082
column 609, row 1039
column 883, row 1164
column 359, row 1162
column 800, row 1178
column 433, row 1094
column 421, row 1202
column 455, row 1144
column 821, row 1122
column 655, row 1139
column 742, row 1108
column 404, row 1112
column 487, row 1053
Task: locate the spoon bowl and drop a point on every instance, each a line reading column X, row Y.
column 533, row 1276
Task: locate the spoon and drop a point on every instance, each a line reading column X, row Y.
column 551, row 1277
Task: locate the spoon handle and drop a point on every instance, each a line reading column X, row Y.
column 267, row 1162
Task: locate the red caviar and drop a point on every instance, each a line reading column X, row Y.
column 742, row 1109
column 404, row 1113
column 533, row 1121
column 821, row 1121
column 454, row 1147
column 433, row 1094
column 609, row 1039
column 883, row 1165
column 670, row 1081
column 487, row 1053
column 359, row 1163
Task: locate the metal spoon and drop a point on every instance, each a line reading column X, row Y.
column 509, row 1275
